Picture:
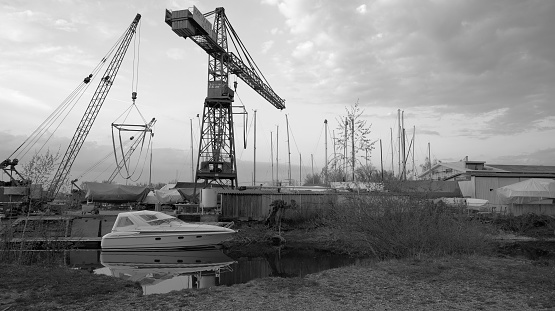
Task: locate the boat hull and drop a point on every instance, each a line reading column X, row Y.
column 163, row 240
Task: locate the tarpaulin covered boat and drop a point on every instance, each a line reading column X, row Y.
column 114, row 193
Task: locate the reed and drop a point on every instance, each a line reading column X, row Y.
column 405, row 226
column 32, row 241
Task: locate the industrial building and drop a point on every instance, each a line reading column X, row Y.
column 480, row 180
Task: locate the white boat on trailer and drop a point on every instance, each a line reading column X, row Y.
column 150, row 230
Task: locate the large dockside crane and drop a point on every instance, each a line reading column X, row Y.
column 87, row 120
column 92, row 111
column 216, row 158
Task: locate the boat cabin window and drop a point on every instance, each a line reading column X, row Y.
column 155, row 220
column 148, row 217
column 124, row 222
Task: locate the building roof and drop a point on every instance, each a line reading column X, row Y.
column 524, row 168
column 460, row 167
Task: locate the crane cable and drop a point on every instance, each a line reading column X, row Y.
column 126, row 156
column 67, row 105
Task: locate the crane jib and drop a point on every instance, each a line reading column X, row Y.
column 194, row 25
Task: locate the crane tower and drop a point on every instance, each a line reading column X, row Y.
column 216, row 158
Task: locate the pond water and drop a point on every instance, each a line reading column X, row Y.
column 165, row 271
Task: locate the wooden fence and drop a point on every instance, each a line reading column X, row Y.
column 256, row 205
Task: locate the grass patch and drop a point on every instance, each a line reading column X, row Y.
column 59, row 285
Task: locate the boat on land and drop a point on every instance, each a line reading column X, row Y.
column 151, row 230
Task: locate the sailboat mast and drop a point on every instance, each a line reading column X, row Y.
column 381, row 157
column 399, row 138
column 404, row 177
column 272, row 155
column 288, row 150
column 192, row 154
column 345, row 147
column 414, row 147
column 326, row 152
column 277, row 154
column 254, row 165
column 312, row 164
column 300, row 169
column 430, row 160
column 392, row 160
column 353, row 146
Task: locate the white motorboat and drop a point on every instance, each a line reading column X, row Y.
column 156, row 230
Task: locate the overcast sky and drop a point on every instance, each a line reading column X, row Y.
column 475, row 78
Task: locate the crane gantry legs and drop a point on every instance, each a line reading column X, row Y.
column 216, row 160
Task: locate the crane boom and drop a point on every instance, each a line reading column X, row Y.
column 92, row 111
column 194, row 25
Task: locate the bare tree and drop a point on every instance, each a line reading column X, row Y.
column 313, row 179
column 352, row 140
column 40, row 168
column 427, row 165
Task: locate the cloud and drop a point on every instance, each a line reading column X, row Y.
column 63, row 24
column 266, row 46
column 16, row 98
column 469, row 57
column 276, row 31
column 361, row 9
column 175, row 54
column 539, row 157
column 303, row 49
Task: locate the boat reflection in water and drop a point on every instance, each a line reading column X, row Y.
column 164, row 271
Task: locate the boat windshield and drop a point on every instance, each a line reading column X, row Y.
column 154, row 220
